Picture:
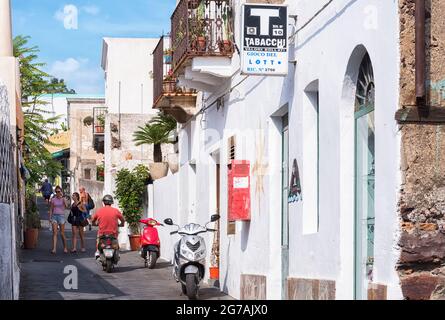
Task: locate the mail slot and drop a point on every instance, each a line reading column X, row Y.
column 239, row 190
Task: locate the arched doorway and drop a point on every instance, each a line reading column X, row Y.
column 364, row 178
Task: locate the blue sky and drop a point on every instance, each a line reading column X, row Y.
column 73, row 52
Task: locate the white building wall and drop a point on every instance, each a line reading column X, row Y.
column 323, row 55
column 251, row 111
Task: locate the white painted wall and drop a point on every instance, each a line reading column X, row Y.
column 323, row 55
column 128, row 62
column 322, row 50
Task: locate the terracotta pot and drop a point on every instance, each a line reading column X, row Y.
column 214, row 273
column 225, row 46
column 169, row 86
column 202, row 44
column 135, row 242
column 31, row 238
column 158, row 170
column 99, row 129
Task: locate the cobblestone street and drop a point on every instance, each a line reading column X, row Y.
column 42, row 274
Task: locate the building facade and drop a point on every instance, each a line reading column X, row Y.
column 345, row 178
column 128, row 65
column 12, row 188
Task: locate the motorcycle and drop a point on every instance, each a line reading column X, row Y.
column 189, row 256
column 109, row 252
column 150, row 244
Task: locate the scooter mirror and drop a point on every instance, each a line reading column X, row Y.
column 168, row 221
column 215, row 217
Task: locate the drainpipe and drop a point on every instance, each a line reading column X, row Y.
column 420, row 52
column 5, row 29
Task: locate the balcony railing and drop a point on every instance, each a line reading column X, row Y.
column 165, row 84
column 201, row 28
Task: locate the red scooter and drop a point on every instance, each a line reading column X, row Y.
column 150, row 244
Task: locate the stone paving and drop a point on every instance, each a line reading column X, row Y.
column 42, row 274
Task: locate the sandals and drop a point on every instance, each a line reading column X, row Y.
column 74, row 251
column 53, row 252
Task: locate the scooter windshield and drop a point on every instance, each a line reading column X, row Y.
column 192, row 229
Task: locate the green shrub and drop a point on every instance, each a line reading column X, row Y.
column 130, row 189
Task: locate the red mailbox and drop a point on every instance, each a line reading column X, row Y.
column 239, row 190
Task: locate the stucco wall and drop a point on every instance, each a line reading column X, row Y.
column 165, row 205
column 422, row 201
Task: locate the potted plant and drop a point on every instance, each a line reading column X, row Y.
column 226, row 45
column 88, row 121
column 130, row 189
column 198, row 30
column 100, row 125
column 169, row 82
column 156, row 132
column 32, row 222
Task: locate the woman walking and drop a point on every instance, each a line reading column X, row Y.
column 78, row 220
column 57, row 218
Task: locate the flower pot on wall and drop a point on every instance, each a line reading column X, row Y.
column 158, row 170
column 135, row 242
column 31, row 238
column 193, row 4
column 201, row 44
column 173, row 162
column 169, row 86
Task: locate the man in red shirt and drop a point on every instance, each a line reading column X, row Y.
column 107, row 218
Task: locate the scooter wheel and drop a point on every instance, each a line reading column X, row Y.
column 192, row 288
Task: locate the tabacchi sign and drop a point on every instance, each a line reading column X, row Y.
column 265, row 41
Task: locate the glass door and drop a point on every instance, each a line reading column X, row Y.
column 364, row 180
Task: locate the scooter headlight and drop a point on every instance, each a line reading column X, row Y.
column 187, row 254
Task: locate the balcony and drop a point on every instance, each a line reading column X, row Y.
column 202, row 43
column 168, row 96
column 99, row 129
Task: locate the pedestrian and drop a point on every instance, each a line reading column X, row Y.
column 58, row 205
column 78, row 220
column 47, row 191
column 88, row 202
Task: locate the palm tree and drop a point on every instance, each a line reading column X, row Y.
column 155, row 132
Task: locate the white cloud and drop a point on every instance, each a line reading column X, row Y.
column 79, row 75
column 91, row 9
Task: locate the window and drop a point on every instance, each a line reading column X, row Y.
column 87, row 174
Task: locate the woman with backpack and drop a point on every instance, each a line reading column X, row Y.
column 78, row 220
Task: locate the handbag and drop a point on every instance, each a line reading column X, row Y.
column 90, row 203
column 71, row 218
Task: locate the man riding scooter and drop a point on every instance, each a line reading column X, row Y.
column 107, row 218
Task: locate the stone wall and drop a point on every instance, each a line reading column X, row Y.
column 422, row 193
column 253, row 287
column 311, row 289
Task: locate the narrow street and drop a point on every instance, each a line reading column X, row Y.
column 42, row 274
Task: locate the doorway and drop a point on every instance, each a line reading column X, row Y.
column 364, row 179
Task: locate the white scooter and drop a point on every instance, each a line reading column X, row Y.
column 189, row 256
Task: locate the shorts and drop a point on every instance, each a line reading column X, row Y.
column 58, row 219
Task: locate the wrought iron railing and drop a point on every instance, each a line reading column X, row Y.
column 201, row 28
column 165, row 82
